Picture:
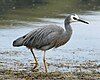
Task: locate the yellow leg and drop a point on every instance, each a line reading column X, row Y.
column 36, row 62
column 44, row 60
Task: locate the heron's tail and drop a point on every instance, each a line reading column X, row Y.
column 18, row 42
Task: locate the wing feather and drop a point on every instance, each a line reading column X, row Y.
column 43, row 36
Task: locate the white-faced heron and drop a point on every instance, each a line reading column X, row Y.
column 45, row 38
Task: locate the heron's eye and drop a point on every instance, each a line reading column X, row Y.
column 74, row 18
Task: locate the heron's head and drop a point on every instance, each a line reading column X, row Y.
column 74, row 18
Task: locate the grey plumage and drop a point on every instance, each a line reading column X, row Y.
column 47, row 37
column 51, row 36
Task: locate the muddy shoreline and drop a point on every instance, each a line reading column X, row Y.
column 22, row 75
column 87, row 70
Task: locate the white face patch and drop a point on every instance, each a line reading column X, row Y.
column 72, row 18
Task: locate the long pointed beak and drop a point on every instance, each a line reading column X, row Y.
column 82, row 21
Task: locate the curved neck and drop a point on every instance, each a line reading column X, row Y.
column 67, row 26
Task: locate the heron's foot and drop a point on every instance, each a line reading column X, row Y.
column 45, row 65
column 34, row 69
column 35, row 65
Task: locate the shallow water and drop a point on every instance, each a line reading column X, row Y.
column 83, row 47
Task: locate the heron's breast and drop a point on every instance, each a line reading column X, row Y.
column 62, row 40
